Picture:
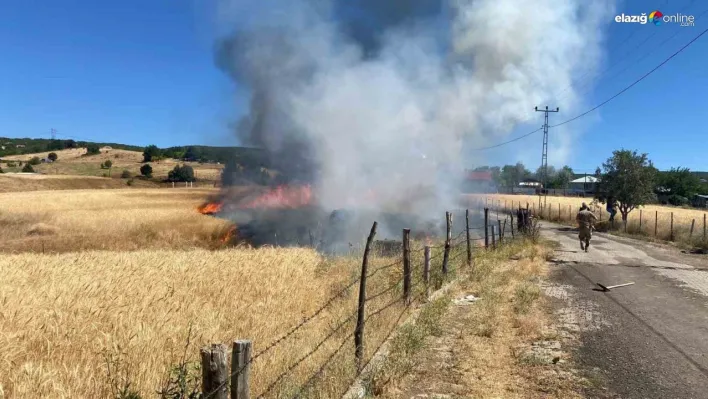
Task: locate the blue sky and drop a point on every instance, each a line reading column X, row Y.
column 143, row 72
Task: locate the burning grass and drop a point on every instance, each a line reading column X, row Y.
column 126, row 219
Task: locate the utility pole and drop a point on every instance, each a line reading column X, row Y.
column 544, row 156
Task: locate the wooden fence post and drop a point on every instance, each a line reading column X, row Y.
column 511, row 224
column 407, row 265
column 426, row 270
column 486, row 227
column 448, row 238
column 672, row 227
column 501, row 231
column 469, row 243
column 494, row 238
column 240, row 369
column 704, row 228
column 640, row 220
column 559, row 213
column 360, row 316
column 214, row 375
column 693, row 224
column 656, row 224
column 570, row 213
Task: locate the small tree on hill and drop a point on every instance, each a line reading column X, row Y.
column 27, row 168
column 628, row 178
column 34, row 161
column 92, row 149
column 125, row 175
column 181, row 174
column 146, row 170
column 52, row 156
column 151, row 153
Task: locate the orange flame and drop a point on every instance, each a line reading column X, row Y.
column 230, row 235
column 283, row 197
column 210, row 208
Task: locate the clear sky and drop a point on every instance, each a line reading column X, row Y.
column 143, row 72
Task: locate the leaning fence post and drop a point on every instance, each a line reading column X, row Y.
column 656, row 224
column 448, row 238
column 469, row 244
column 486, row 228
column 215, row 384
column 426, row 270
column 240, row 369
column 359, row 330
column 693, row 224
column 407, row 265
column 672, row 227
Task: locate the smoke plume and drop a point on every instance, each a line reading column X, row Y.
column 372, row 100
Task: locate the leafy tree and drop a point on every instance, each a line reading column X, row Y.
column 52, row 156
column 181, row 174
column 192, row 154
column 512, row 175
column 92, row 149
column 108, row 164
column 550, row 177
column 146, row 170
column 628, row 178
column 151, row 153
column 27, row 168
column 126, row 174
column 70, row 144
column 680, row 182
column 34, row 161
column 564, row 177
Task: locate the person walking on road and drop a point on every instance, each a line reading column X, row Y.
column 586, row 220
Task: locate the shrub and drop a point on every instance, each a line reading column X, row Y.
column 108, row 164
column 125, row 175
column 34, row 161
column 130, row 182
column 181, row 174
column 146, row 170
column 11, row 164
column 1, row 171
column 92, row 149
column 678, row 200
column 52, row 156
column 28, row 169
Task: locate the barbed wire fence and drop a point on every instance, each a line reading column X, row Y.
column 218, row 383
column 679, row 225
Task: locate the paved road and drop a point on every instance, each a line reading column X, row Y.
column 648, row 340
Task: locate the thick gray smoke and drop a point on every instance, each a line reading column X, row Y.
column 373, row 99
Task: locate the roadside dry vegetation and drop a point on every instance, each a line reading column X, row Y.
column 482, row 349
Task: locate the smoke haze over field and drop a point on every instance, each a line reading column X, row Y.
column 381, row 95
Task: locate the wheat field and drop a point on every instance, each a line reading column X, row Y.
column 133, row 282
column 564, row 209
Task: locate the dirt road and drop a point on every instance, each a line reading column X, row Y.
column 648, row 340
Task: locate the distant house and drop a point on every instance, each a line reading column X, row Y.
column 479, row 182
column 586, row 184
column 528, row 186
column 47, row 160
column 20, row 146
column 700, row 201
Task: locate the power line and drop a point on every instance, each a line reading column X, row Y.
column 602, row 103
column 634, row 83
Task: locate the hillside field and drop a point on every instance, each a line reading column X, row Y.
column 74, row 162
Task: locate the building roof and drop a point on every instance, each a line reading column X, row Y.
column 586, row 179
column 479, row 176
